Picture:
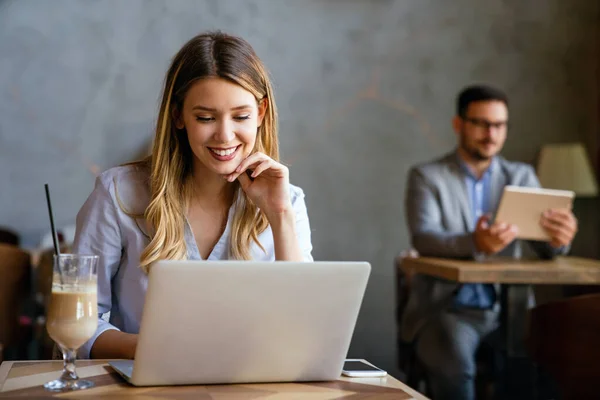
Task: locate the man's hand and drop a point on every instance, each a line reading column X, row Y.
column 561, row 225
column 491, row 239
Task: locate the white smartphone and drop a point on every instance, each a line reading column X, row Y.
column 356, row 368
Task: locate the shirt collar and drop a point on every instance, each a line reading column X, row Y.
column 467, row 170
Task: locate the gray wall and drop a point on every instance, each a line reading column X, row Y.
column 364, row 88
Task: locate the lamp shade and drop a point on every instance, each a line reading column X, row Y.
column 567, row 167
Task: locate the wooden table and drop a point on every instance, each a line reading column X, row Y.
column 24, row 379
column 515, row 276
column 560, row 271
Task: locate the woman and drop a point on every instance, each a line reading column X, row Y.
column 212, row 188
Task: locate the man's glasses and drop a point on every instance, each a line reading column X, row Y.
column 485, row 124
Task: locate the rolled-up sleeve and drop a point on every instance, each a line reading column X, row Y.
column 302, row 224
column 98, row 232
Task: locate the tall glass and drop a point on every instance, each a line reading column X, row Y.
column 72, row 317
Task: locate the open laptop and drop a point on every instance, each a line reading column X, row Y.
column 238, row 322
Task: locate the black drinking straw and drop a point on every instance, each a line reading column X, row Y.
column 54, row 236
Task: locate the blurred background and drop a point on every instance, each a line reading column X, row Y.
column 365, row 89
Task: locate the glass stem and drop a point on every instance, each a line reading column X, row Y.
column 69, row 373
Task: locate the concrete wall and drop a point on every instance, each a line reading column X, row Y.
column 364, row 88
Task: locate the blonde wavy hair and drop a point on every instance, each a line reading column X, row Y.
column 212, row 54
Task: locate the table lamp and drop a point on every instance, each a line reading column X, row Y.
column 567, row 166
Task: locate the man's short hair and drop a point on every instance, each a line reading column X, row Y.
column 474, row 93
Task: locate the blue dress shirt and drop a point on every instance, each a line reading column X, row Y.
column 477, row 295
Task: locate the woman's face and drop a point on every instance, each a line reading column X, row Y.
column 221, row 120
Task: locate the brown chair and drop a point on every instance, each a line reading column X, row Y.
column 15, row 272
column 415, row 375
column 563, row 340
column 414, row 372
column 8, row 237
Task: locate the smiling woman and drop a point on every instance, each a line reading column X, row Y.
column 221, row 120
column 213, row 187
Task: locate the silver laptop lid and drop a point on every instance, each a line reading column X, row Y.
column 231, row 321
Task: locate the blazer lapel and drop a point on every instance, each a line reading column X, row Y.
column 497, row 182
column 458, row 181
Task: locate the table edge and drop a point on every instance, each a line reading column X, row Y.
column 455, row 274
column 416, row 395
column 5, row 368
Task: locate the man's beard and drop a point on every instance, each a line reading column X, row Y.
column 473, row 151
column 477, row 155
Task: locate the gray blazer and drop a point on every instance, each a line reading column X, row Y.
column 440, row 223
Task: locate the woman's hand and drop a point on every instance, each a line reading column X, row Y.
column 266, row 183
column 114, row 344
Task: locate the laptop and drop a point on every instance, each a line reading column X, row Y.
column 239, row 322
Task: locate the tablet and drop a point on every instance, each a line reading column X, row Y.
column 523, row 207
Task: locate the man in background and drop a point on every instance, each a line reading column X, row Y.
column 448, row 206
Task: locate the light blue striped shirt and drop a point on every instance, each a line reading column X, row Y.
column 477, row 295
column 105, row 229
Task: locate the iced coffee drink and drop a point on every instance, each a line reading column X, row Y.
column 72, row 315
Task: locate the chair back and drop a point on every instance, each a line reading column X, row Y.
column 563, row 339
column 8, row 236
column 15, row 274
column 405, row 352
